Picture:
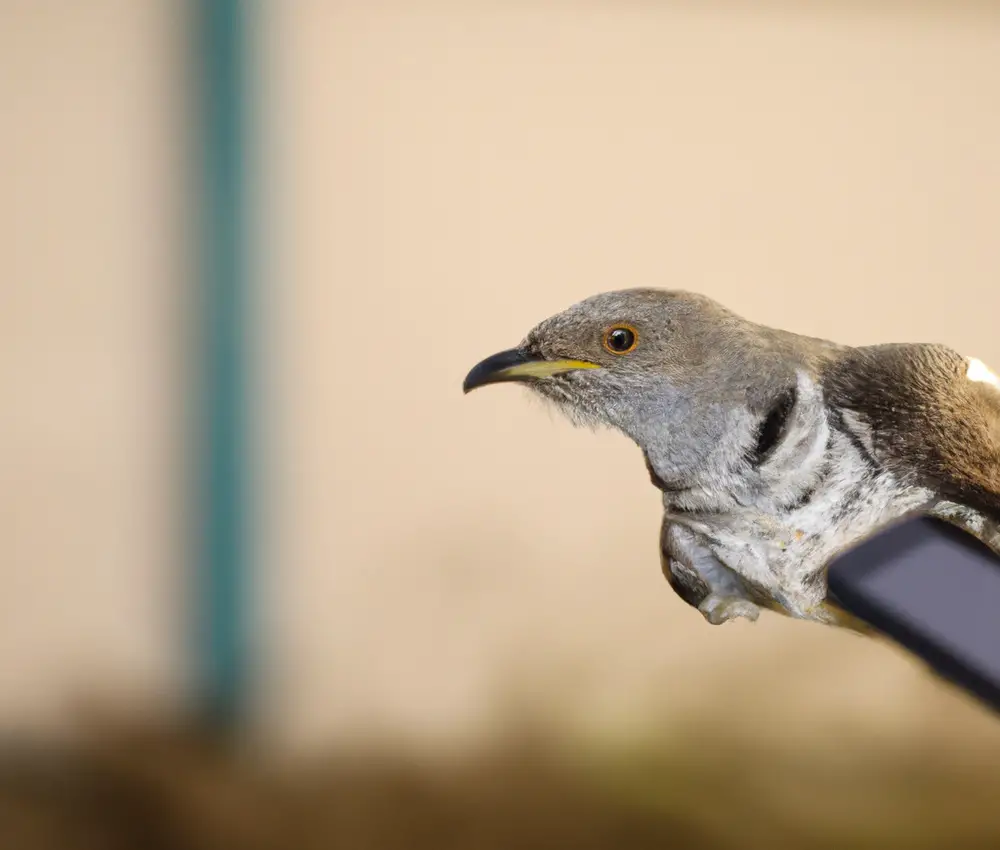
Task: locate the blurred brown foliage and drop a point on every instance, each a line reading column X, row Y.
column 168, row 789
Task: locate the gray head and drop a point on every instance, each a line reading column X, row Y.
column 682, row 376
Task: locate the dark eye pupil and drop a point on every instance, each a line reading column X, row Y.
column 621, row 339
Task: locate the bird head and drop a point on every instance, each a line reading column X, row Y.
column 679, row 374
column 635, row 360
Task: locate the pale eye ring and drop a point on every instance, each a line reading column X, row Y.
column 621, row 339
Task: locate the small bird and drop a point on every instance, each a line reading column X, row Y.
column 773, row 451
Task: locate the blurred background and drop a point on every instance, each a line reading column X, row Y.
column 263, row 568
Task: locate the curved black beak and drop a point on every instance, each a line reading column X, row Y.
column 517, row 365
column 496, row 369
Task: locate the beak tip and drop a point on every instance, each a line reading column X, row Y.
column 492, row 370
column 472, row 380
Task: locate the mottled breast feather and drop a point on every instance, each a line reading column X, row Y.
column 931, row 425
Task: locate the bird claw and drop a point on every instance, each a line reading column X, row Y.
column 720, row 609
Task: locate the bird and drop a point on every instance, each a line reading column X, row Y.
column 773, row 451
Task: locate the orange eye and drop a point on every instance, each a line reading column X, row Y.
column 621, row 339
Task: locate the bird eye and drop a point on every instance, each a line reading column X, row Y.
column 621, row 339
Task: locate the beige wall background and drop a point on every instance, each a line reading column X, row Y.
column 442, row 175
column 92, row 419
column 434, row 179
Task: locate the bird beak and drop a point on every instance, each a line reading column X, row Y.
column 516, row 365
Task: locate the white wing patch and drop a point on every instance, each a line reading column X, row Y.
column 980, row 372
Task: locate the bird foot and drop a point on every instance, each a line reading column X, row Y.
column 720, row 609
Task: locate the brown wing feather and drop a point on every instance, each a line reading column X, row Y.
column 930, row 423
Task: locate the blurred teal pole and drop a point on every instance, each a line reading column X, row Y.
column 222, row 640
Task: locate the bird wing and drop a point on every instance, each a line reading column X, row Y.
column 932, row 417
